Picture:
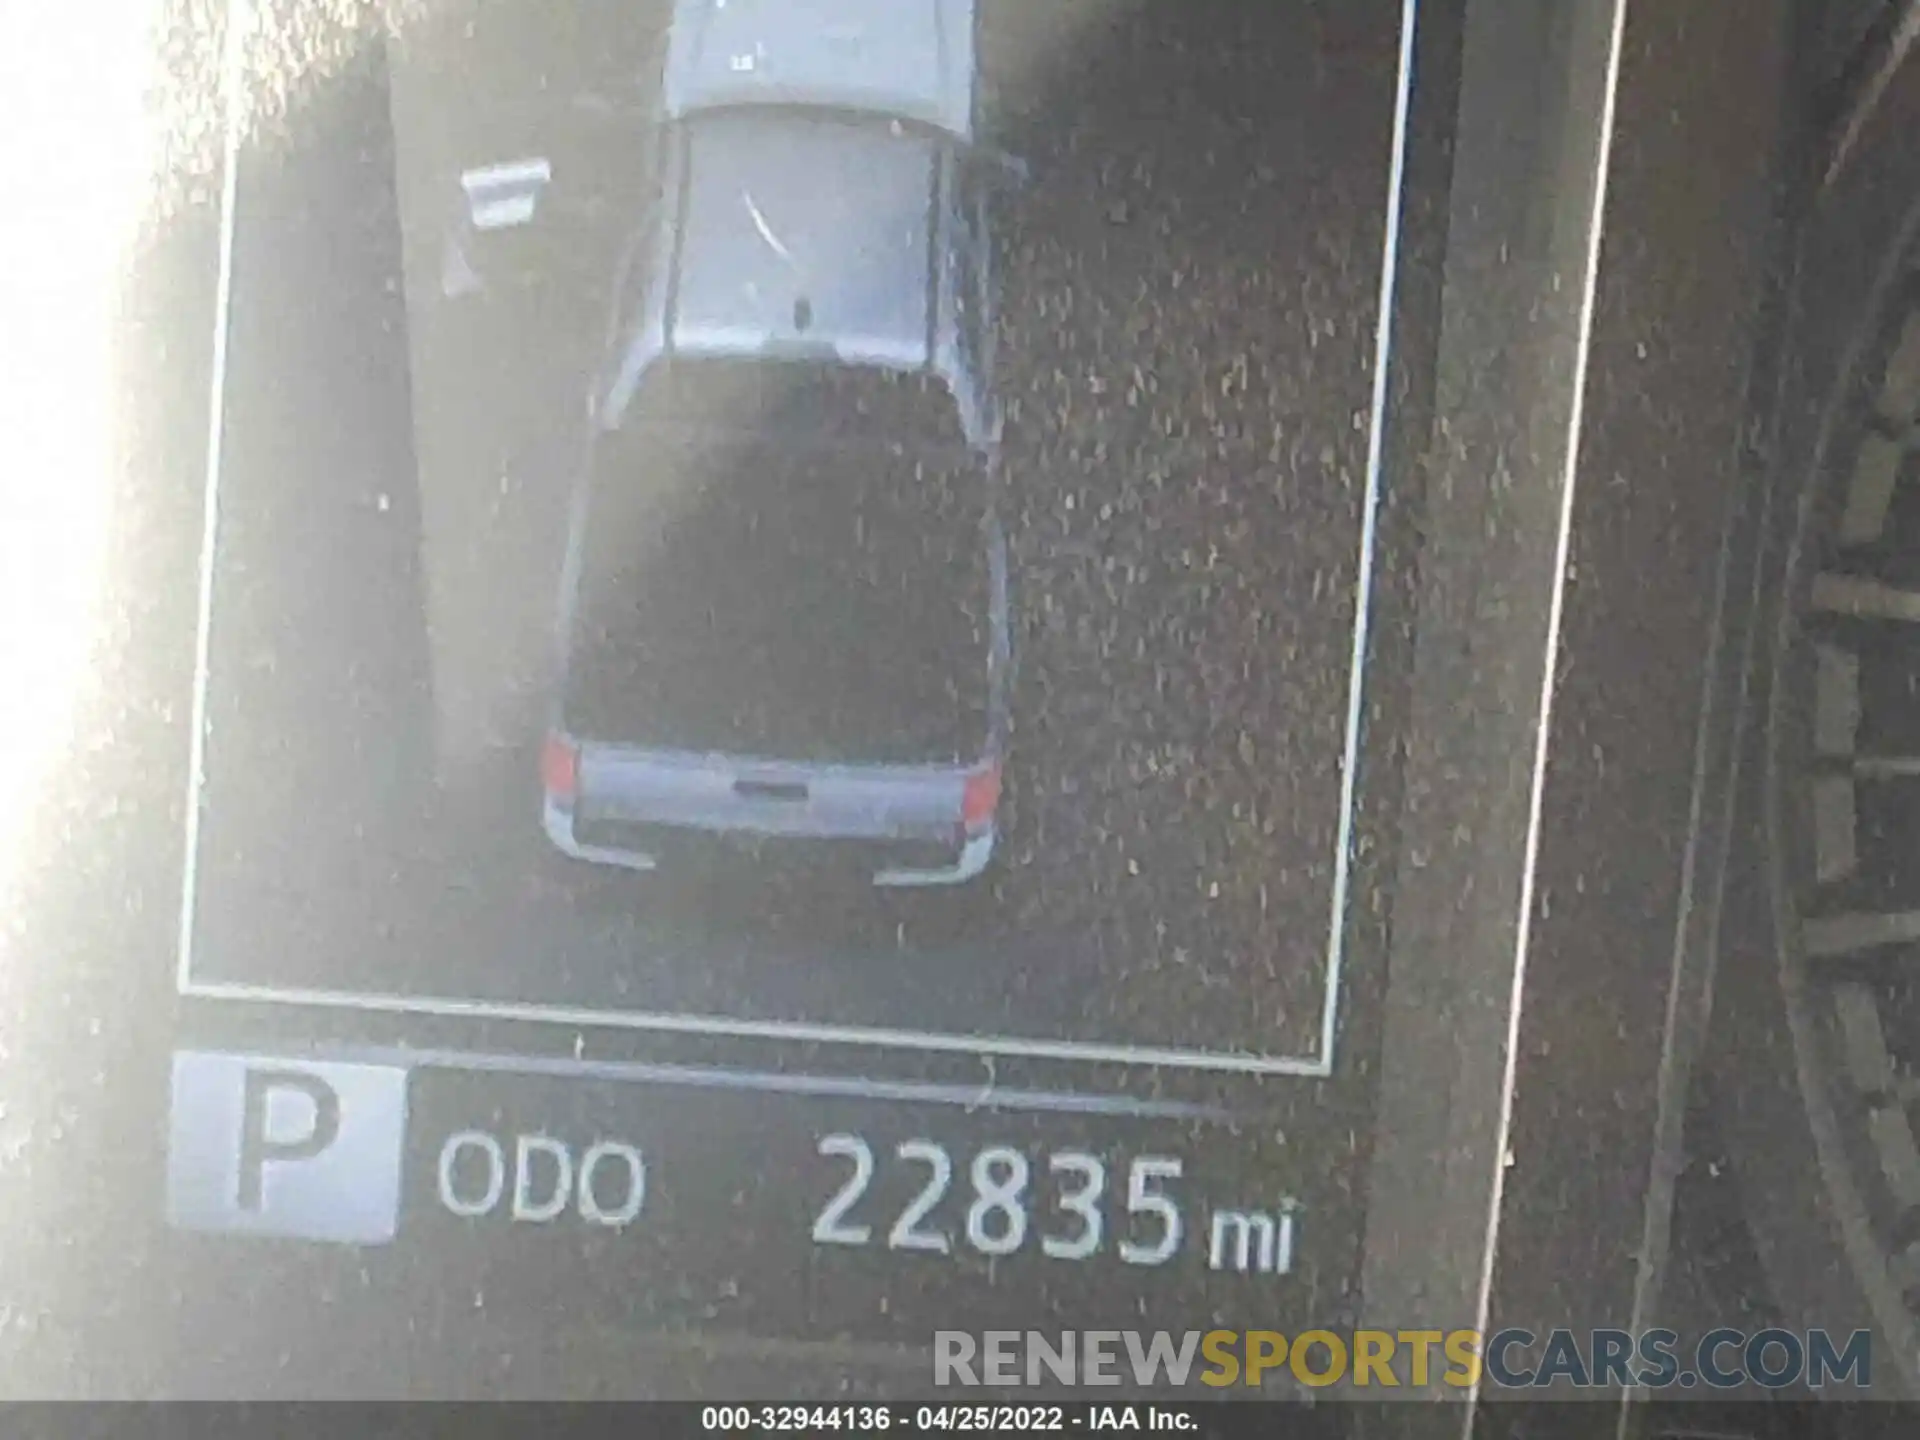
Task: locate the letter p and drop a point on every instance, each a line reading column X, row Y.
column 269, row 1134
column 1266, row 1350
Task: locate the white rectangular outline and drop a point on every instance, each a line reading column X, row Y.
column 1319, row 1066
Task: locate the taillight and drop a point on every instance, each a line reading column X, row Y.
column 980, row 798
column 560, row 769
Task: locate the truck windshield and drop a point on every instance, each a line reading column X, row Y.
column 785, row 563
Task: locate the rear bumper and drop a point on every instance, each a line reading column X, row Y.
column 894, row 864
column 559, row 827
column 974, row 855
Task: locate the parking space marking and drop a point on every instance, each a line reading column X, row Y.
column 1903, row 1270
column 1900, row 390
column 1861, row 599
column 1836, row 721
column 1833, row 935
column 1887, row 767
column 1864, row 1041
column 1876, row 470
column 1899, row 1156
column 1834, row 855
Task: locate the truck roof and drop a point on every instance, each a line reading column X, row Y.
column 911, row 59
column 798, row 230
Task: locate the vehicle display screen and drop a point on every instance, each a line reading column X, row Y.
column 801, row 635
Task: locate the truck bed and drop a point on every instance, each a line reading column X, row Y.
column 823, row 602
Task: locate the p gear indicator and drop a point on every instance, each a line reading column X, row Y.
column 305, row 1150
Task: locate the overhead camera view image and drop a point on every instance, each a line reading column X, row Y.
column 853, row 521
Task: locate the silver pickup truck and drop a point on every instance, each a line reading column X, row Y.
column 784, row 610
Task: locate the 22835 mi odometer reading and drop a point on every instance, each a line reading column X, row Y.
column 1001, row 1200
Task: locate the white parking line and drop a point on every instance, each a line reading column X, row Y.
column 1893, row 1139
column 1863, row 599
column 1876, row 470
column 1835, row 935
column 1862, row 1039
column 1834, row 854
column 1836, row 692
column 1900, row 389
